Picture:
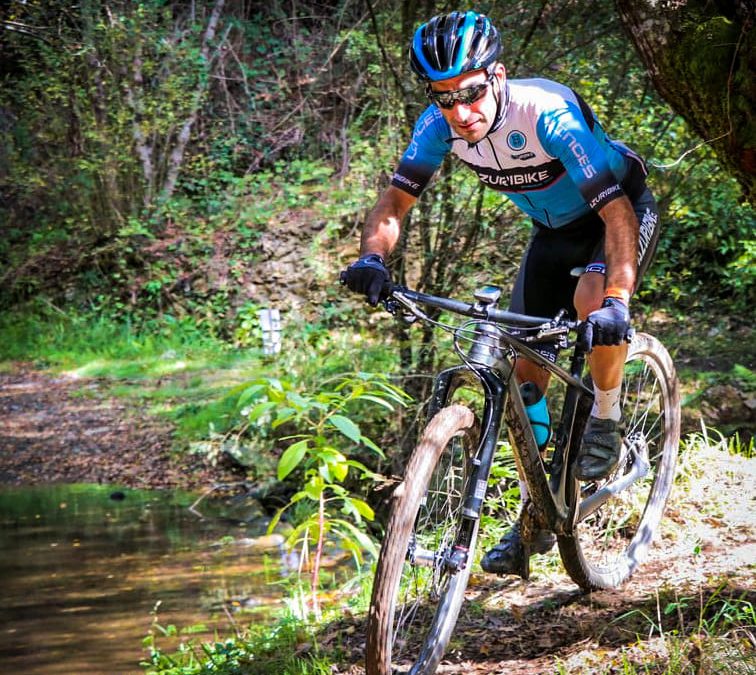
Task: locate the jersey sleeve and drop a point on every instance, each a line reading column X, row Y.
column 566, row 133
column 426, row 151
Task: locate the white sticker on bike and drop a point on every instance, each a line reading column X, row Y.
column 480, row 489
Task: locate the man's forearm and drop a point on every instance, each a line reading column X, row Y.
column 380, row 234
column 384, row 223
column 621, row 245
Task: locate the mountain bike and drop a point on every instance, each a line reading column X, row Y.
column 603, row 527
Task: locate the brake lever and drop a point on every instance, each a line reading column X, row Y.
column 395, row 307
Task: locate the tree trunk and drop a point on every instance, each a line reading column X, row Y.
column 177, row 154
column 700, row 57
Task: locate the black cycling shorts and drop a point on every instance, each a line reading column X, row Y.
column 545, row 283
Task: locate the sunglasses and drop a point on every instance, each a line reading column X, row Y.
column 467, row 96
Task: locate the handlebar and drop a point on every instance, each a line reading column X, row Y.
column 396, row 293
column 555, row 329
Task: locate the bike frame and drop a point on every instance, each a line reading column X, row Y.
column 490, row 365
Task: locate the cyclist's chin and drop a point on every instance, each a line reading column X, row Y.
column 472, row 133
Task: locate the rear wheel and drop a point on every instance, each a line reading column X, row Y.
column 617, row 517
column 417, row 593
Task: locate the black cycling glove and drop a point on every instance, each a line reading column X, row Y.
column 368, row 275
column 607, row 326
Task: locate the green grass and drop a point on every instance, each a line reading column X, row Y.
column 96, row 346
column 271, row 651
column 712, row 631
column 175, row 370
column 291, row 645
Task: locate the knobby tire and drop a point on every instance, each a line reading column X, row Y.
column 606, row 546
column 386, row 626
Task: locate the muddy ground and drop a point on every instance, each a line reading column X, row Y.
column 60, row 429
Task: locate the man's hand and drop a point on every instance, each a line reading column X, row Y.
column 368, row 275
column 607, row 326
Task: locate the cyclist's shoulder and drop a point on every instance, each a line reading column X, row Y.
column 540, row 93
column 431, row 135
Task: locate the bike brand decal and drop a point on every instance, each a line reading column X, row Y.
column 516, row 140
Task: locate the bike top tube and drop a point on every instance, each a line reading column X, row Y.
column 476, row 310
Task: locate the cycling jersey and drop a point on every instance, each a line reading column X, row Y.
column 547, row 152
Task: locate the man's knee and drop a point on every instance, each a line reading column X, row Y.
column 527, row 371
column 589, row 294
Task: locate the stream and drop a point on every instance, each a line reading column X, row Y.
column 87, row 569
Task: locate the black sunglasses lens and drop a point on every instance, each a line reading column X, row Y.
column 466, row 96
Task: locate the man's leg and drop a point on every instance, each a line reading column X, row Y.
column 606, row 363
column 508, row 556
column 527, row 371
column 602, row 440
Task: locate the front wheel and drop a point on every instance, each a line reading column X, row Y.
column 616, row 518
column 417, row 594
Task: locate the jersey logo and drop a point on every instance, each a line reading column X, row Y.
column 516, row 140
column 523, row 156
column 520, row 179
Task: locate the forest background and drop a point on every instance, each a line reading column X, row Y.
column 168, row 169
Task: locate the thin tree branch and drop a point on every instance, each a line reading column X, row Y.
column 384, row 55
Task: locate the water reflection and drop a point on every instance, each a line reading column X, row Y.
column 82, row 572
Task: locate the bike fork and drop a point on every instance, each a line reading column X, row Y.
column 475, row 492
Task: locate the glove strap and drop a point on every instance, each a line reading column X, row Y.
column 372, row 257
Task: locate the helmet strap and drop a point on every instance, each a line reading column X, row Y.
column 502, row 103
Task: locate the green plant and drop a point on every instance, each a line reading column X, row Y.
column 323, row 446
column 503, row 501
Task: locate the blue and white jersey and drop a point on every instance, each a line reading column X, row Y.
column 547, row 153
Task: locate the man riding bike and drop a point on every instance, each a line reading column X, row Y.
column 538, row 143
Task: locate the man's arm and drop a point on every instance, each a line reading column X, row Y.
column 621, row 247
column 610, row 325
column 379, row 236
column 384, row 223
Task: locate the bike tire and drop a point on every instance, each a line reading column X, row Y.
column 606, row 545
column 425, row 516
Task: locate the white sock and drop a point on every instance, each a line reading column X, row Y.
column 606, row 404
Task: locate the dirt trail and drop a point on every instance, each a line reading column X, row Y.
column 704, row 563
column 67, row 430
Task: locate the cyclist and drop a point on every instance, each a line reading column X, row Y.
column 538, row 143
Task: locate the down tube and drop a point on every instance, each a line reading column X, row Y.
column 530, row 464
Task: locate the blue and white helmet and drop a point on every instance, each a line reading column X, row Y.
column 451, row 44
